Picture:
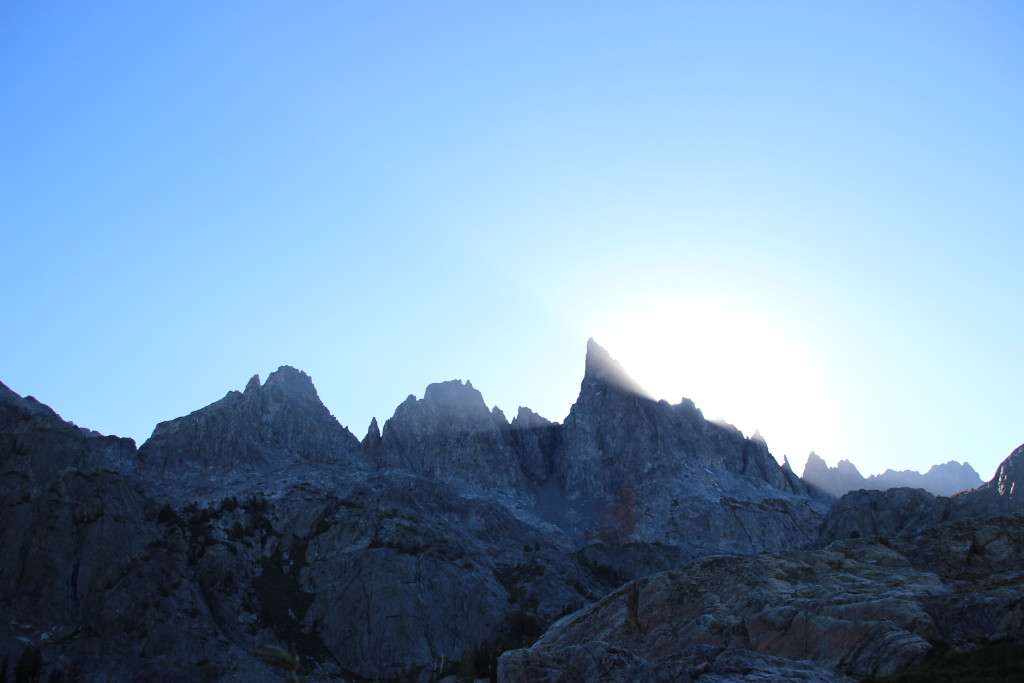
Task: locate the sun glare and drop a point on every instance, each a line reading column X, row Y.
column 735, row 366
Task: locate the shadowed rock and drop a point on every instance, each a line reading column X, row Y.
column 856, row 608
column 264, row 427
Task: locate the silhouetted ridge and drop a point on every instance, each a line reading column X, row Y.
column 601, row 369
column 941, row 480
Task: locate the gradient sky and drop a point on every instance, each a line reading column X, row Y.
column 807, row 217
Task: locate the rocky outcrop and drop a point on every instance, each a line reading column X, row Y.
column 870, row 514
column 856, row 608
column 946, row 479
column 263, row 428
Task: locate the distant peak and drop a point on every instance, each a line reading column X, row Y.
column 602, row 368
column 814, row 457
column 252, row 385
column 847, row 466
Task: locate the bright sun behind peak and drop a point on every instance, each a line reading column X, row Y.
column 601, row 367
column 748, row 370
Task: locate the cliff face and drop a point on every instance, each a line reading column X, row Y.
column 86, row 574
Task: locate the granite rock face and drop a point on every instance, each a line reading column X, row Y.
column 88, row 580
column 113, row 574
column 262, row 428
column 451, row 536
column 856, row 608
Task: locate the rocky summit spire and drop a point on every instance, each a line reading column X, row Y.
column 602, row 369
column 288, row 383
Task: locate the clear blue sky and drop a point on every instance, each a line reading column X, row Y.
column 808, row 217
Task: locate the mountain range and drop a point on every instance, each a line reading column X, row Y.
column 945, row 479
column 634, row 541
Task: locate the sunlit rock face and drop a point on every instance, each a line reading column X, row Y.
column 262, row 428
column 853, row 609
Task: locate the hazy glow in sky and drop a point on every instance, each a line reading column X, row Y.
column 807, row 217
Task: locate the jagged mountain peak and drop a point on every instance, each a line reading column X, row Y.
column 253, row 385
column 455, row 394
column 847, row 466
column 374, row 429
column 292, row 383
column 814, row 460
column 265, row 426
column 602, row 370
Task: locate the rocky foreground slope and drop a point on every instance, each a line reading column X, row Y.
column 453, row 535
